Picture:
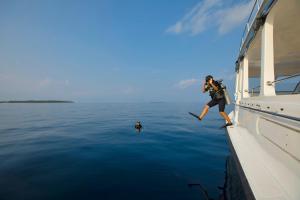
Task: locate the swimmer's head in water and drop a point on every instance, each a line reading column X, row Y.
column 138, row 125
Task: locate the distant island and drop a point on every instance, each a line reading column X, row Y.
column 37, row 101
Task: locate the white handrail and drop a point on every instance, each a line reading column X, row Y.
column 276, row 81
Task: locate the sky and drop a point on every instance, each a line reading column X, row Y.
column 117, row 51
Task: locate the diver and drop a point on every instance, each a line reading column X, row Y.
column 138, row 126
column 217, row 98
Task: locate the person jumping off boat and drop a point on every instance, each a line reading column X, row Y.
column 217, row 98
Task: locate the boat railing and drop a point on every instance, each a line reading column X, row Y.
column 259, row 10
column 283, row 79
column 294, row 88
column 256, row 7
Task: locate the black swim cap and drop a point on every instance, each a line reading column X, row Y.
column 207, row 78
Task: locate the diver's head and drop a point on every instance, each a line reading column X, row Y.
column 207, row 78
column 138, row 126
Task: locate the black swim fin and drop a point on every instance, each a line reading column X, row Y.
column 194, row 115
column 227, row 124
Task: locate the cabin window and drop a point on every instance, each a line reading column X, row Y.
column 287, row 85
column 254, row 86
column 287, row 48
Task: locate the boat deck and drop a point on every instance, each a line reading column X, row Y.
column 267, row 176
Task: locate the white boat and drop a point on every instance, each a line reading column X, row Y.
column 265, row 137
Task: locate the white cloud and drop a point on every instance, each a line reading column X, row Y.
column 234, row 16
column 186, row 83
column 212, row 13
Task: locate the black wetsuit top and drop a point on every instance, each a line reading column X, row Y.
column 213, row 93
column 217, row 97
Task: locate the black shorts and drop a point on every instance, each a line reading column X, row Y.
column 221, row 103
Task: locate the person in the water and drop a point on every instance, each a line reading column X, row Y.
column 138, row 126
column 217, row 98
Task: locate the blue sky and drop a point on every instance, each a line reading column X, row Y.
column 117, row 51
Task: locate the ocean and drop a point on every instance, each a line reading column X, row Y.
column 92, row 151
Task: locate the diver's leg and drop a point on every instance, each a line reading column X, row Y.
column 221, row 110
column 225, row 116
column 206, row 108
column 204, row 112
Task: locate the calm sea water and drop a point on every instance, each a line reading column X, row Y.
column 92, row 151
